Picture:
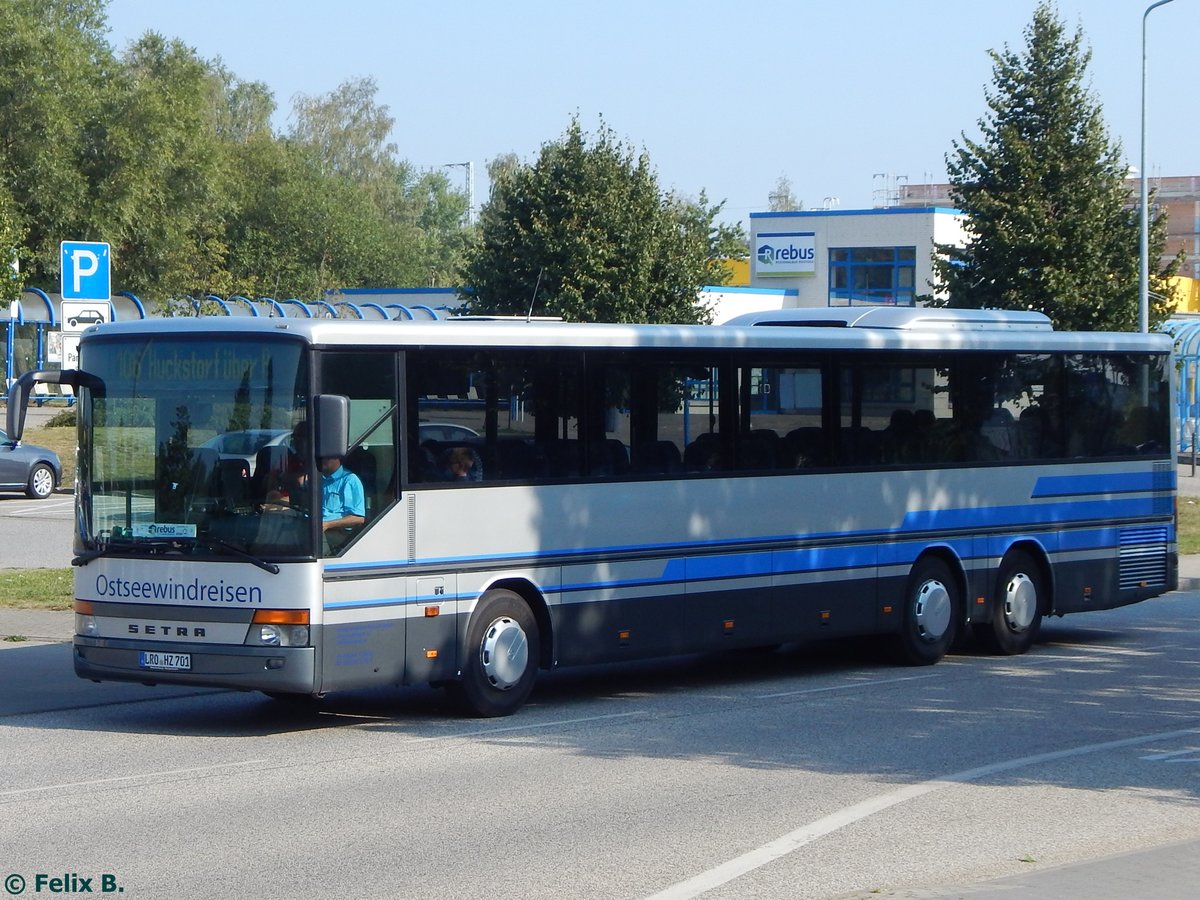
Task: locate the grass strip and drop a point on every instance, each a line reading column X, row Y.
column 36, row 589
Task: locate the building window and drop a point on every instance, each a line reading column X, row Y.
column 872, row 275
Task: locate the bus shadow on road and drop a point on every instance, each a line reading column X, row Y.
column 835, row 668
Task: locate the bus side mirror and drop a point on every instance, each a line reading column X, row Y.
column 333, row 425
column 18, row 395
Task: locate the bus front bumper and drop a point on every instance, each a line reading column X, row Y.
column 285, row 670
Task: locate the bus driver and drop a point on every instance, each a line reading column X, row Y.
column 343, row 501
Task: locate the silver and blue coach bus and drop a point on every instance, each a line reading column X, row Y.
column 544, row 494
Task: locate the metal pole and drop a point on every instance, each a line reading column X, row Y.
column 1143, row 212
column 470, row 184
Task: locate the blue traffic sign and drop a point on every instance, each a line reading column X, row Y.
column 85, row 270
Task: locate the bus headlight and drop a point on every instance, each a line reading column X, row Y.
column 278, row 628
column 85, row 619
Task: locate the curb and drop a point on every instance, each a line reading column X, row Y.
column 36, row 626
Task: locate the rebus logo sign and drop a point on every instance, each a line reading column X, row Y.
column 791, row 253
column 786, row 254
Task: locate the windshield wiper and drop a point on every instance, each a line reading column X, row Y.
column 213, row 542
column 112, row 548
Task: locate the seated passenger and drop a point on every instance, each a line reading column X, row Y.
column 461, row 464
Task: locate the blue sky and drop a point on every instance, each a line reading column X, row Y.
column 841, row 97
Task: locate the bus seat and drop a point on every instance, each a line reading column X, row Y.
column 607, row 458
column 362, row 463
column 562, row 457
column 516, row 458
column 804, row 448
column 656, row 457
column 270, row 463
column 235, row 482
column 703, row 454
column 757, row 450
column 205, row 470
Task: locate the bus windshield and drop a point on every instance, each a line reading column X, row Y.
column 188, row 445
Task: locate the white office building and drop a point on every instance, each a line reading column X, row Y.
column 852, row 257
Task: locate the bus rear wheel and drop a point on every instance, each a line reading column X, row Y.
column 502, row 655
column 931, row 614
column 1016, row 606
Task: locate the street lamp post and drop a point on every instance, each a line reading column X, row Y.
column 470, row 167
column 1143, row 212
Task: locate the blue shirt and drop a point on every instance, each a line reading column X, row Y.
column 342, row 495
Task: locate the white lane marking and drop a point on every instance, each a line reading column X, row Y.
column 273, row 764
column 484, row 732
column 1169, row 757
column 767, row 853
column 39, row 507
column 142, row 776
column 842, row 687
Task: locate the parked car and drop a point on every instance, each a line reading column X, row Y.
column 447, row 432
column 29, row 468
column 244, row 445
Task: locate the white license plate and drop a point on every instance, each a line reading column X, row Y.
column 169, row 662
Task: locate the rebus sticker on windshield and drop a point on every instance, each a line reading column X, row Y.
column 163, row 530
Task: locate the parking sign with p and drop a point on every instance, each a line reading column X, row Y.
column 85, row 270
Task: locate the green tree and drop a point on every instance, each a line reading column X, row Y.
column 172, row 160
column 54, row 62
column 407, row 227
column 347, row 131
column 12, row 238
column 1050, row 224
column 585, row 233
column 299, row 231
column 440, row 213
column 159, row 170
column 242, row 110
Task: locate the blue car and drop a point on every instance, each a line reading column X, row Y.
column 29, row 468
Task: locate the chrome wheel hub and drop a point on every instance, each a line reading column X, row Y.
column 933, row 610
column 504, row 653
column 1020, row 602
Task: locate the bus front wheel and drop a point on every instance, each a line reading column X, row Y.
column 931, row 613
column 502, row 655
column 1016, row 606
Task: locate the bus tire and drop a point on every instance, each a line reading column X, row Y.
column 501, row 659
column 1017, row 606
column 931, row 614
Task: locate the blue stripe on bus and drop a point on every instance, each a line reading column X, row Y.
column 1119, row 483
column 812, row 561
column 1030, row 514
column 358, row 604
column 1024, row 517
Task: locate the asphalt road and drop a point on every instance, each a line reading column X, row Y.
column 36, row 533
column 814, row 772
